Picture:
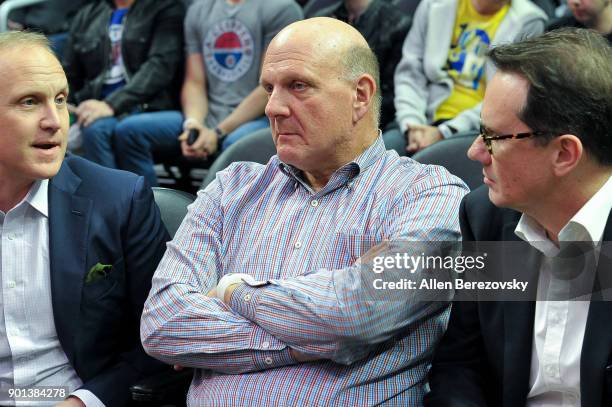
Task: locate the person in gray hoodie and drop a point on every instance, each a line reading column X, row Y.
column 441, row 78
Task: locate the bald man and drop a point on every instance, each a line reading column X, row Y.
column 257, row 291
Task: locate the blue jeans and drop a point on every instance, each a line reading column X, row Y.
column 138, row 137
column 97, row 141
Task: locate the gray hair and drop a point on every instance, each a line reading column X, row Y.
column 359, row 60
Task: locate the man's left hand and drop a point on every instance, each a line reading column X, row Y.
column 421, row 136
column 91, row 110
column 227, row 295
column 71, row 401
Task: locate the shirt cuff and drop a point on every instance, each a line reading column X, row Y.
column 272, row 359
column 88, row 398
column 446, row 131
column 244, row 300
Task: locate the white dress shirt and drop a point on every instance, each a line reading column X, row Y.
column 559, row 326
column 30, row 351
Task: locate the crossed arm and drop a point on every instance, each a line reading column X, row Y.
column 320, row 315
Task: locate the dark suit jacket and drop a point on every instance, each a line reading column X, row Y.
column 98, row 215
column 484, row 358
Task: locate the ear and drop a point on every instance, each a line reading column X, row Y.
column 568, row 153
column 365, row 90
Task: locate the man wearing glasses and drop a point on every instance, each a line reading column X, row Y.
column 546, row 151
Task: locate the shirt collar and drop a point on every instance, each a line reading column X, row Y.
column 348, row 171
column 37, row 197
column 586, row 225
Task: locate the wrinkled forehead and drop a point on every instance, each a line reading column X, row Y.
column 302, row 55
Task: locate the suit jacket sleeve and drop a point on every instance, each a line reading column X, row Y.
column 457, row 376
column 144, row 239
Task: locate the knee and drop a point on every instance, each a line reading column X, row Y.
column 127, row 135
column 96, row 135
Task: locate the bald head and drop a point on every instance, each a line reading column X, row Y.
column 322, row 33
column 334, row 44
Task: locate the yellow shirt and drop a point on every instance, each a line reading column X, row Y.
column 466, row 58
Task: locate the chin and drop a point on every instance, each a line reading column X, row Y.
column 46, row 170
column 496, row 198
column 286, row 154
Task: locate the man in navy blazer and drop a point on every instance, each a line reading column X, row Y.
column 546, row 151
column 79, row 246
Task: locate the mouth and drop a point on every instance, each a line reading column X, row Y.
column 47, row 147
column 486, row 179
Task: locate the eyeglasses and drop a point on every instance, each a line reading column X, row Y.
column 488, row 136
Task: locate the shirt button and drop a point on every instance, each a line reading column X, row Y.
column 550, row 370
column 297, row 245
column 11, row 236
column 11, row 284
column 268, row 361
column 265, row 345
column 314, row 203
column 247, row 297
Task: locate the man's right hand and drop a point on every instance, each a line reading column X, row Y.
column 205, row 145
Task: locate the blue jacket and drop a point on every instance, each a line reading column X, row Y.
column 99, row 215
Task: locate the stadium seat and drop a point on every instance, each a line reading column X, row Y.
column 451, row 153
column 257, row 147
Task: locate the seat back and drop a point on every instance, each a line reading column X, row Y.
column 172, row 204
column 256, row 147
column 451, row 153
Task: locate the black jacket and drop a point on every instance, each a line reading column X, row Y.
column 152, row 50
column 484, row 358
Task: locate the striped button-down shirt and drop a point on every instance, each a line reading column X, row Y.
column 267, row 222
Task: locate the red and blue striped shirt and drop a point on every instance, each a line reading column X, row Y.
column 267, row 222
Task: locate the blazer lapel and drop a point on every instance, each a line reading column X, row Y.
column 68, row 229
column 596, row 347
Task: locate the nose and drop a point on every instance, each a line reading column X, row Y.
column 52, row 117
column 478, row 152
column 277, row 105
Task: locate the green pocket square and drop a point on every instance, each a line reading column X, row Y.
column 98, row 272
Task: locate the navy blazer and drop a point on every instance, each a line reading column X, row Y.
column 484, row 357
column 99, row 215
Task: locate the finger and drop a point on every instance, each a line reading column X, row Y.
column 89, row 119
column 416, row 126
column 200, row 142
column 178, row 368
column 412, row 147
column 183, row 136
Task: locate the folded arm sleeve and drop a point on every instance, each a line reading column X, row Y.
column 332, row 314
column 181, row 324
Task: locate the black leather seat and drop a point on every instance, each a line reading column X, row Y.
column 451, row 153
column 169, row 388
column 257, row 147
